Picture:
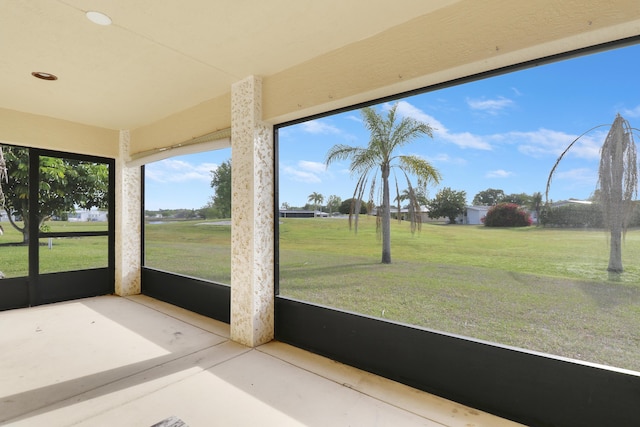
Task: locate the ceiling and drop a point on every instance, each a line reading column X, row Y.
column 161, row 57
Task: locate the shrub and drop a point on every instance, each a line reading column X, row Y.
column 573, row 216
column 507, row 215
column 582, row 216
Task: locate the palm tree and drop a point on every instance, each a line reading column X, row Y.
column 333, row 201
column 617, row 184
column 315, row 198
column 420, row 199
column 406, row 195
column 386, row 136
column 536, row 204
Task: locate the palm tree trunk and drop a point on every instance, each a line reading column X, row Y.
column 615, row 252
column 385, row 218
column 616, row 202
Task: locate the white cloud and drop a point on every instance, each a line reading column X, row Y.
column 499, row 173
column 579, row 176
column 466, row 140
column 300, row 175
column 539, row 143
column 354, row 118
column 491, row 106
column 318, row 127
column 462, row 140
column 445, row 158
column 305, row 171
column 171, row 170
column 633, row 112
column 544, row 142
column 316, row 167
column 409, row 110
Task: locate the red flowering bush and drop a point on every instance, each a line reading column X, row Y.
column 507, row 215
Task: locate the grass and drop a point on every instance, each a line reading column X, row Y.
column 65, row 254
column 541, row 289
column 191, row 248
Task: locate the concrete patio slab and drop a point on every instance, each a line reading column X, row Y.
column 137, row 361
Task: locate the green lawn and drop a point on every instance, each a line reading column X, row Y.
column 193, row 248
column 541, row 289
column 64, row 254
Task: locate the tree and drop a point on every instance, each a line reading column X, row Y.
column 208, row 211
column 333, row 203
column 221, row 183
column 65, row 184
column 617, row 184
column 520, row 199
column 386, row 136
column 315, row 198
column 349, row 206
column 448, row 203
column 488, row 197
column 535, row 204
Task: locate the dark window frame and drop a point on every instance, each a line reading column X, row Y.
column 43, row 288
column 524, row 386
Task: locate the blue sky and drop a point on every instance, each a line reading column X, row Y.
column 504, row 132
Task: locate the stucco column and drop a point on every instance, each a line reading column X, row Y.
column 252, row 240
column 128, row 227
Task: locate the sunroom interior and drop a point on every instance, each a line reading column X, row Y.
column 153, row 80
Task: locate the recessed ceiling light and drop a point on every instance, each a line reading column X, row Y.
column 44, row 76
column 98, row 18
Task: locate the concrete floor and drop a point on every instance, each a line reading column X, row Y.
column 111, row 361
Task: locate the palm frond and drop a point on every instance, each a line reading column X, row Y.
column 340, row 152
column 372, row 189
column 398, row 199
column 415, row 218
column 407, row 131
column 354, row 212
column 422, row 169
column 555, row 166
column 363, row 161
column 375, row 125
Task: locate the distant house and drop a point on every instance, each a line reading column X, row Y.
column 290, row 213
column 4, row 217
column 474, row 214
column 404, row 213
column 562, row 203
column 87, row 215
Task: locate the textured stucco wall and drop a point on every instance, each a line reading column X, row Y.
column 128, row 223
column 252, row 212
